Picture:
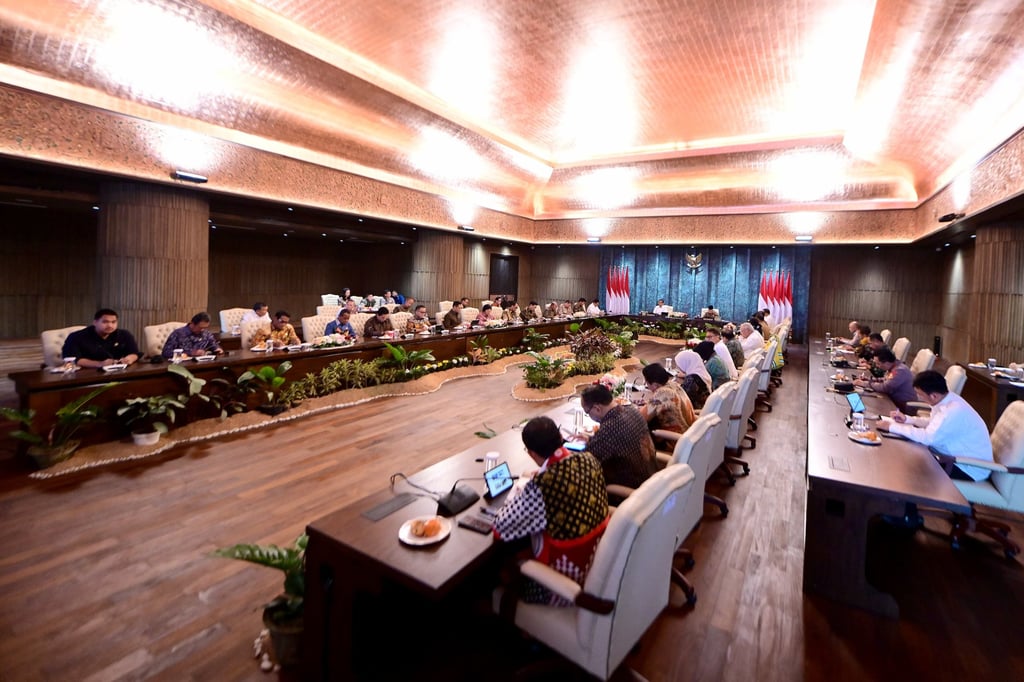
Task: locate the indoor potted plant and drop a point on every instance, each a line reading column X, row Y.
column 266, row 382
column 150, row 417
column 58, row 444
column 282, row 615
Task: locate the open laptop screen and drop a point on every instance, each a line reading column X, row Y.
column 499, row 479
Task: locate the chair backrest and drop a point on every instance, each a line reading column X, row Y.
column 923, row 361
column 753, row 362
column 886, row 335
column 956, row 377
column 155, row 336
column 632, row 567
column 782, row 331
column 328, row 310
column 901, row 348
column 696, row 447
column 313, row 326
column 444, row 306
column 469, row 314
column 330, row 299
column 229, row 317
column 250, row 327
column 398, row 320
column 667, row 309
column 358, row 322
column 766, row 366
column 720, row 403
column 53, row 343
column 1008, row 449
column 742, row 408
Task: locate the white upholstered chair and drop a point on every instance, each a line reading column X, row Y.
column 956, row 377
column 764, row 379
column 755, row 360
column 443, row 307
column 398, row 321
column 886, row 335
column 53, row 343
column 742, row 410
column 627, row 586
column 249, row 329
column 469, row 314
column 923, row 361
column 155, row 336
column 229, row 317
column 330, row 299
column 358, row 322
column 720, row 403
column 313, row 326
column 901, row 348
column 328, row 310
column 1004, row 489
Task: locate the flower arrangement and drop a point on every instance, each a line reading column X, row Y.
column 331, row 341
column 615, row 384
column 494, row 323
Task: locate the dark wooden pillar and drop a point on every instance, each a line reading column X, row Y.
column 153, row 253
column 997, row 312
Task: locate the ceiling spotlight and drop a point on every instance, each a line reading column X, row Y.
column 466, row 228
column 96, row 208
column 805, row 238
column 877, row 248
column 946, row 244
column 189, row 177
column 974, row 236
column 950, row 217
column 594, row 240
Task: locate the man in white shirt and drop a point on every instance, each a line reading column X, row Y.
column 715, row 336
column 594, row 308
column 751, row 339
column 258, row 312
column 661, row 308
column 953, row 428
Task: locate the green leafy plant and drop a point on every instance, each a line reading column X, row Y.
column 625, row 341
column 407, row 360
column 488, row 432
column 266, row 382
column 594, row 364
column 590, row 343
column 544, row 371
column 155, row 413
column 290, row 560
column 482, row 351
column 534, row 341
column 68, row 420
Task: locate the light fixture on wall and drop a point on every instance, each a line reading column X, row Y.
column 189, row 177
column 594, row 240
column 950, row 217
column 466, row 228
column 804, row 238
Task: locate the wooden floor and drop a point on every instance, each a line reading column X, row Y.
column 106, row 575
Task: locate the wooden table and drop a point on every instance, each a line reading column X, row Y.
column 987, row 394
column 848, row 484
column 45, row 392
column 348, row 553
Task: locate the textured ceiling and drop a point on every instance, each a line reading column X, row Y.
column 560, row 109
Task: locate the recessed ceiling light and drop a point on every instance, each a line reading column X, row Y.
column 877, row 248
column 973, row 236
column 466, row 228
column 359, row 220
column 323, row 234
column 946, row 244
column 340, row 241
column 290, row 208
column 96, row 208
column 213, row 227
column 655, row 246
column 285, row 234
column 594, row 240
column 402, row 243
column 805, row 238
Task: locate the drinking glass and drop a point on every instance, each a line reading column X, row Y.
column 668, row 364
column 991, row 364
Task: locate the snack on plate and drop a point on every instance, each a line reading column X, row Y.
column 259, row 346
column 870, row 435
column 426, row 528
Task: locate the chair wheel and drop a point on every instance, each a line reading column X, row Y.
column 692, row 599
column 1004, row 532
column 1010, row 553
column 746, row 470
column 725, row 512
column 689, row 563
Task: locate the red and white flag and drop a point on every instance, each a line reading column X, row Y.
column 776, row 294
column 617, row 291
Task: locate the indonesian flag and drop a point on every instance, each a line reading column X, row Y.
column 776, row 295
column 617, row 291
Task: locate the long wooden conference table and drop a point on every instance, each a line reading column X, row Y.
column 350, row 553
column 849, row 484
column 46, row 392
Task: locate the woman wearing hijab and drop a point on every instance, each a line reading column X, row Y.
column 712, row 363
column 694, row 377
column 668, row 408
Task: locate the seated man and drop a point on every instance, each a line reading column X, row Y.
column 714, row 335
column 580, row 306
column 533, row 312
column 342, row 325
column 751, row 340
column 484, row 315
column 388, row 297
column 408, row 305
column 734, row 346
column 855, row 334
column 563, row 508
column 281, row 332
column 195, row 338
column 371, row 302
column 668, row 408
column 399, row 298
column 453, row 318
column 953, row 428
column 595, row 308
column 378, row 325
column 711, row 313
column 870, row 350
column 259, row 312
column 565, row 308
column 351, row 306
column 419, row 322
column 661, row 308
column 623, row 445
column 551, row 310
column 103, row 343
column 897, row 382
column 511, row 313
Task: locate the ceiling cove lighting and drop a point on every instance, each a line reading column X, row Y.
column 594, row 240
column 466, row 228
column 804, row 238
column 189, row 177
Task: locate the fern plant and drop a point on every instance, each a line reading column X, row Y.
column 544, row 371
column 290, row 560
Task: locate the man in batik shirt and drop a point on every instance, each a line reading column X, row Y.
column 623, row 445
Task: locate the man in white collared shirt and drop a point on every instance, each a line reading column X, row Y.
column 751, row 339
column 953, row 428
column 715, row 336
column 661, row 308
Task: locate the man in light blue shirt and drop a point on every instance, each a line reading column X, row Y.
column 341, row 325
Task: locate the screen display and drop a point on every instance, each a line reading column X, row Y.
column 576, row 445
column 499, row 479
column 856, row 404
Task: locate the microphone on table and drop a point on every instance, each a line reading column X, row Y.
column 459, row 499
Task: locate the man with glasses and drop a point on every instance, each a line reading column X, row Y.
column 623, row 444
column 195, row 339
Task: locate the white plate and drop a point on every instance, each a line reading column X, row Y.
column 835, row 377
column 256, row 349
column 305, row 346
column 1018, row 384
column 293, row 347
column 61, row 370
column 857, row 438
column 114, row 368
column 406, row 536
column 205, row 358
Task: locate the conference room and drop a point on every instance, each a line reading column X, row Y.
column 704, row 155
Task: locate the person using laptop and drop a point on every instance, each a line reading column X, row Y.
column 563, row 509
column 897, row 383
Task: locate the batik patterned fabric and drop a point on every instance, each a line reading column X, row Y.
column 564, row 509
column 669, row 409
column 624, row 447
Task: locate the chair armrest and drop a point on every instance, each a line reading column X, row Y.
column 565, row 587
column 664, row 459
column 948, row 460
column 666, row 435
column 620, row 490
column 919, row 405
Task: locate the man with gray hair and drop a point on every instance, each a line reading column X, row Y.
column 751, row 339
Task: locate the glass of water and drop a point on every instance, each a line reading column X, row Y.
column 991, row 364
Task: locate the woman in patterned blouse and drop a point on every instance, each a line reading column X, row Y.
column 668, row 408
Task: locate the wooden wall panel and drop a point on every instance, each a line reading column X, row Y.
column 957, row 303
column 997, row 311
column 562, row 273
column 49, row 280
column 896, row 288
column 152, row 249
column 438, row 268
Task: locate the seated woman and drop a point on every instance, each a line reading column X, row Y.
column 668, row 408
column 484, row 315
column 694, row 377
column 717, row 370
